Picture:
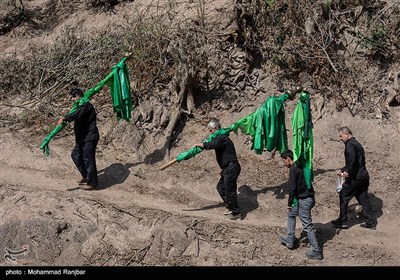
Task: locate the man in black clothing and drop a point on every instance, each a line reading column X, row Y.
column 356, row 180
column 230, row 168
column 86, row 139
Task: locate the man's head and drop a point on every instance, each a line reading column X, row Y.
column 345, row 134
column 76, row 92
column 287, row 157
column 214, row 125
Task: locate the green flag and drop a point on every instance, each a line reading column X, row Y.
column 118, row 82
column 303, row 142
column 266, row 126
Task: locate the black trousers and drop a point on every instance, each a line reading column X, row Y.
column 359, row 190
column 84, row 157
column 227, row 185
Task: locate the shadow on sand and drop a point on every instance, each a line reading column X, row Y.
column 326, row 232
column 247, row 197
column 114, row 174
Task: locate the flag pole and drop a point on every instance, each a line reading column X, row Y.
column 171, row 162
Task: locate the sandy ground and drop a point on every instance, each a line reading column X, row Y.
column 176, row 214
column 142, row 216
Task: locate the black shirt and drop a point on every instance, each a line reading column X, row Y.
column 355, row 160
column 297, row 185
column 224, row 150
column 84, row 123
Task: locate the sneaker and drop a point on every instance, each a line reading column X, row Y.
column 369, row 226
column 287, row 242
column 83, row 181
column 232, row 216
column 314, row 255
column 339, row 223
column 87, row 187
column 228, row 213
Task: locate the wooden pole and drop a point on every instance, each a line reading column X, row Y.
column 171, row 162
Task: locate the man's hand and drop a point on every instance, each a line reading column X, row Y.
column 60, row 121
column 199, row 145
column 342, row 174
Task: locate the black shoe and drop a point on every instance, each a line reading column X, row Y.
column 233, row 216
column 338, row 223
column 369, row 226
column 313, row 255
column 287, row 242
column 83, row 181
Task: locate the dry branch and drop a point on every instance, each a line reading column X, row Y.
column 126, row 212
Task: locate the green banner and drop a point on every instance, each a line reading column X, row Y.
column 302, row 141
column 266, row 126
column 118, row 82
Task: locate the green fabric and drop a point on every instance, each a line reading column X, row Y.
column 295, row 202
column 303, row 142
column 120, row 91
column 118, row 82
column 266, row 126
column 45, row 144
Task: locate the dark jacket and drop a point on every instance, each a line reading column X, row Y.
column 297, row 185
column 224, row 150
column 84, row 123
column 355, row 160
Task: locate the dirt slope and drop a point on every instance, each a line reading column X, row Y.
column 142, row 216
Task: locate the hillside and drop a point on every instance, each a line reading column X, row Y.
column 144, row 216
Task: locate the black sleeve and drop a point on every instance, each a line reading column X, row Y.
column 351, row 159
column 78, row 113
column 292, row 185
column 217, row 143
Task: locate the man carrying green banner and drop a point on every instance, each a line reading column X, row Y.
column 86, row 139
column 230, row 168
column 118, row 82
column 266, row 126
column 84, row 117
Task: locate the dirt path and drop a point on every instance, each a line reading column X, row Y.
column 182, row 198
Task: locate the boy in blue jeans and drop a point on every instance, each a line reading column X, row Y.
column 300, row 202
